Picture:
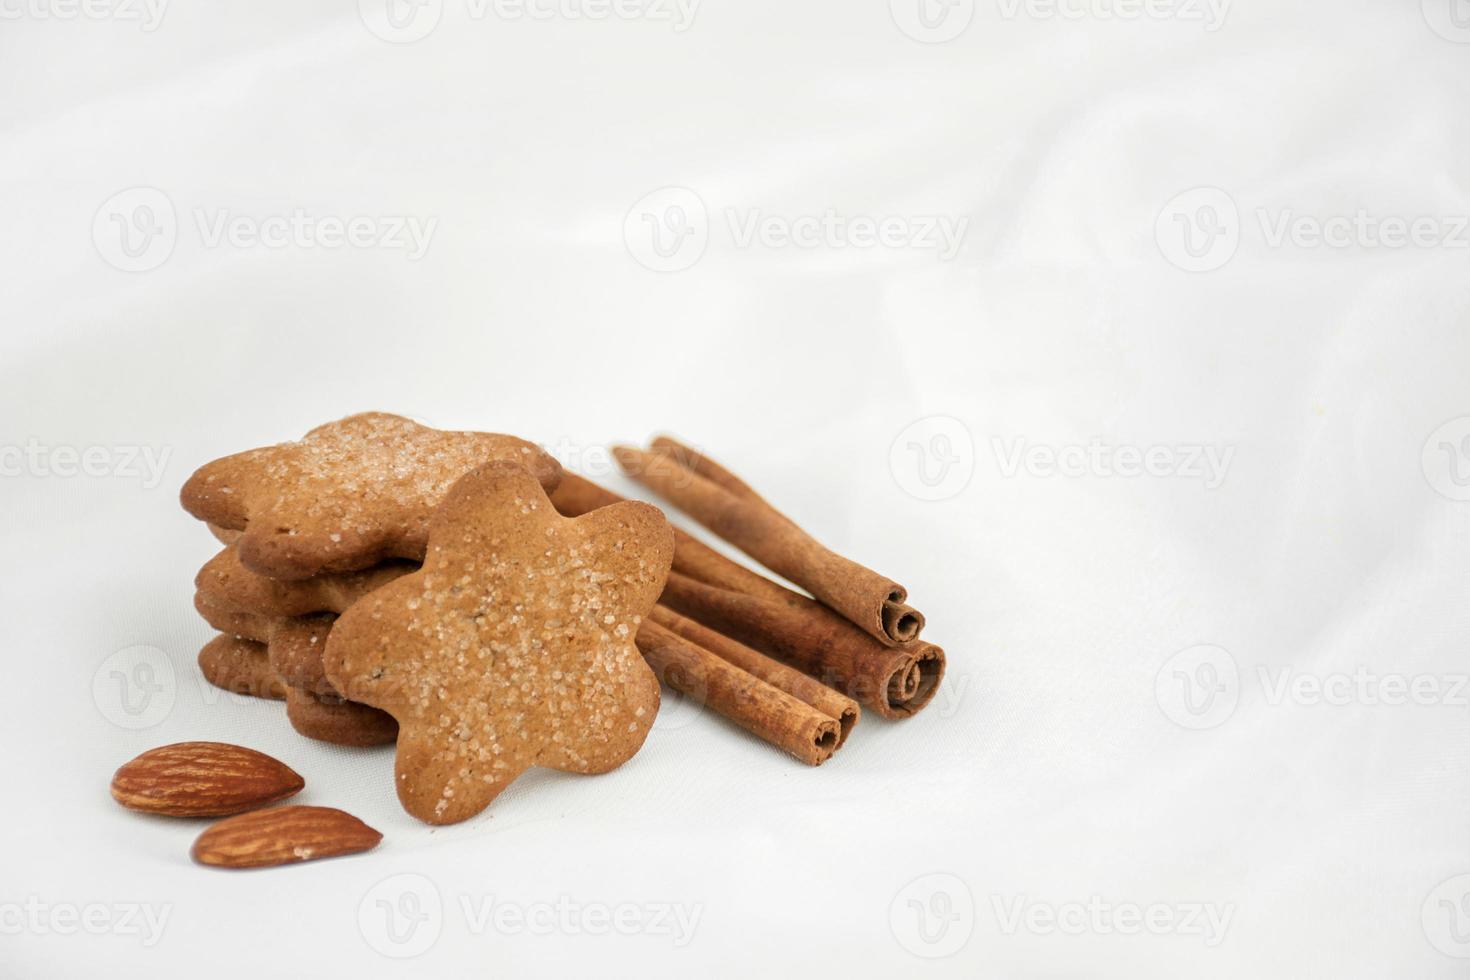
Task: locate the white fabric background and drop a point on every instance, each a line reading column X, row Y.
column 1050, row 771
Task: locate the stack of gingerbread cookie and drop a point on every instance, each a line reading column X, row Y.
column 272, row 637
column 308, row 529
column 397, row 583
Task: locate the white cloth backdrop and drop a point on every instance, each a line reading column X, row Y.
column 1131, row 337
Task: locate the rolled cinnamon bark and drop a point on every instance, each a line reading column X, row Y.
column 692, row 459
column 765, row 711
column 901, row 621
column 810, row 637
column 831, row 703
column 876, row 604
column 894, row 681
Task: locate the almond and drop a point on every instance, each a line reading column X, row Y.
column 203, row 779
column 283, row 835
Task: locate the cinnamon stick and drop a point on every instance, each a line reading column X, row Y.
column 894, row 681
column 895, row 614
column 876, row 604
column 692, row 459
column 765, row 711
column 808, row 636
column 805, row 688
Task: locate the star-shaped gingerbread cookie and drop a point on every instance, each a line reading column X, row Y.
column 513, row 647
column 350, row 494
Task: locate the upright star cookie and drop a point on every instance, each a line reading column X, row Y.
column 350, row 494
column 513, row 646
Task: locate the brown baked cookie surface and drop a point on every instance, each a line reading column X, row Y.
column 296, row 650
column 350, row 494
column 233, row 622
column 294, row 644
column 338, row 722
column 241, row 667
column 223, row 536
column 513, row 646
column 230, row 585
column 288, row 650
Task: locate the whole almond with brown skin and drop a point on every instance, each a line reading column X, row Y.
column 203, row 779
column 283, row 835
